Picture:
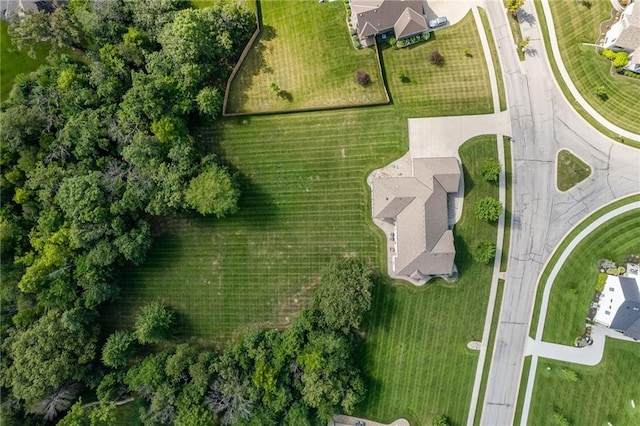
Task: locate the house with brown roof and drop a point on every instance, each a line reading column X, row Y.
column 372, row 17
column 414, row 211
column 625, row 35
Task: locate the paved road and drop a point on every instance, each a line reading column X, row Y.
column 542, row 123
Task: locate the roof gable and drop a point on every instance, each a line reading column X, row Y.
column 377, row 16
column 409, row 23
column 418, row 205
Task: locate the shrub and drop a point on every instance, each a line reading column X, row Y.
column 488, row 209
column 483, row 251
column 362, row 78
column 435, row 57
column 467, row 52
column 490, row 169
column 621, row 59
column 392, row 41
column 601, row 92
column 570, row 375
column 440, row 420
column 602, row 279
column 609, row 54
column 560, row 420
column 616, row 271
column 426, row 35
column 274, row 88
column 356, row 41
column 402, row 76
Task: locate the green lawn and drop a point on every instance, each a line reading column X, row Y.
column 14, row 62
column 490, row 345
column 574, row 285
column 556, row 254
column 436, row 90
column 304, row 200
column 306, row 50
column 570, row 170
column 575, row 25
column 418, row 364
column 504, row 262
column 494, row 58
column 602, row 393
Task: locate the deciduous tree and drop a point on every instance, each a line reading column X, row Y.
column 214, row 192
column 344, row 294
column 154, row 323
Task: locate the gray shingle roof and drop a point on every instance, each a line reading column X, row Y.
column 629, row 38
column 418, row 206
column 628, row 314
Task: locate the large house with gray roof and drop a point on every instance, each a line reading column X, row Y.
column 372, row 17
column 625, row 35
column 414, row 211
column 619, row 305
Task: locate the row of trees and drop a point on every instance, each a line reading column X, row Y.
column 95, row 143
column 299, row 376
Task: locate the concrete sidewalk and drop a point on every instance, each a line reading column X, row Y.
column 591, row 355
column 555, row 50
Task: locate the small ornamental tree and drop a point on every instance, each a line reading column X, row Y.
column 559, row 419
column 483, row 251
column 118, row 349
column 488, row 209
column 513, row 6
column 435, row 57
column 362, row 78
column 601, row 92
column 154, row 323
column 490, row 169
column 440, row 420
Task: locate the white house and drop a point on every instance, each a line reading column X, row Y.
column 619, row 305
column 625, row 35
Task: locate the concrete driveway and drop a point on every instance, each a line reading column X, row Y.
column 442, row 136
column 453, row 10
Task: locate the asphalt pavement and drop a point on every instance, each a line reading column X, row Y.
column 542, row 122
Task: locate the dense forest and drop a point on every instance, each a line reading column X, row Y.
column 95, row 144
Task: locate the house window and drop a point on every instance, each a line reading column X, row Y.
column 611, row 289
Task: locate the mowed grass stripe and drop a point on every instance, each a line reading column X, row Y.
column 437, row 90
column 305, row 48
column 576, row 27
column 574, row 285
column 432, row 325
column 299, row 208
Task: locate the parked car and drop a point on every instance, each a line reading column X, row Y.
column 438, row 22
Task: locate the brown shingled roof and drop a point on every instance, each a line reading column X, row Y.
column 410, row 23
column 379, row 16
column 418, row 207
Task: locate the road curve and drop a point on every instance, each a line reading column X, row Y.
column 542, row 123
